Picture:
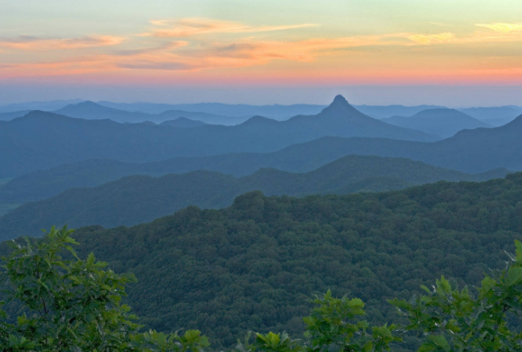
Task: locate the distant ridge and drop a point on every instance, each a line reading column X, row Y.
column 494, row 116
column 8, row 116
column 275, row 111
column 441, row 122
column 135, row 199
column 183, row 122
column 46, row 140
column 386, row 111
column 93, row 111
column 50, row 105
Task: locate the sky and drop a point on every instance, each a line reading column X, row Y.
column 459, row 52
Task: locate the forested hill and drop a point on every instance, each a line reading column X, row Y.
column 255, row 265
column 136, row 199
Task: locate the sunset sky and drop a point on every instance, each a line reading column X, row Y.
column 90, row 47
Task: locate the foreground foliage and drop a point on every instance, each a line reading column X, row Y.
column 75, row 305
column 470, row 319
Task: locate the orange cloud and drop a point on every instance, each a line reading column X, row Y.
column 157, row 51
column 189, row 27
column 181, row 56
column 35, row 43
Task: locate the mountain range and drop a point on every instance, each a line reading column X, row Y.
column 42, row 140
column 500, row 114
column 386, row 111
column 183, row 122
column 136, row 199
column 38, row 105
column 494, row 116
column 277, row 112
column 441, row 122
column 91, row 111
column 471, row 151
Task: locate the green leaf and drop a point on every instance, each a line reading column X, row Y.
column 518, row 246
column 514, row 276
column 439, row 341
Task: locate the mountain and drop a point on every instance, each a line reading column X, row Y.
column 92, row 111
column 276, row 112
column 206, row 118
column 183, row 122
column 494, row 116
column 471, row 151
column 441, row 122
column 42, row 140
column 279, row 112
column 386, row 111
column 38, row 105
column 257, row 264
column 8, row 116
column 135, row 199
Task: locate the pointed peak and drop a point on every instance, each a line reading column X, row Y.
column 340, row 103
column 341, row 108
column 339, row 99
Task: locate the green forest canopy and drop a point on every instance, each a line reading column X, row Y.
column 254, row 265
column 75, row 305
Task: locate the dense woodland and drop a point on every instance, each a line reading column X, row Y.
column 75, row 304
column 255, row 265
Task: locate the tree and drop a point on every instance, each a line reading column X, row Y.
column 470, row 320
column 330, row 327
column 74, row 304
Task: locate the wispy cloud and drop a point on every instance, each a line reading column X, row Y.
column 441, row 24
column 160, row 48
column 189, row 27
column 184, row 56
column 37, row 43
column 503, row 27
column 426, row 39
column 194, row 44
